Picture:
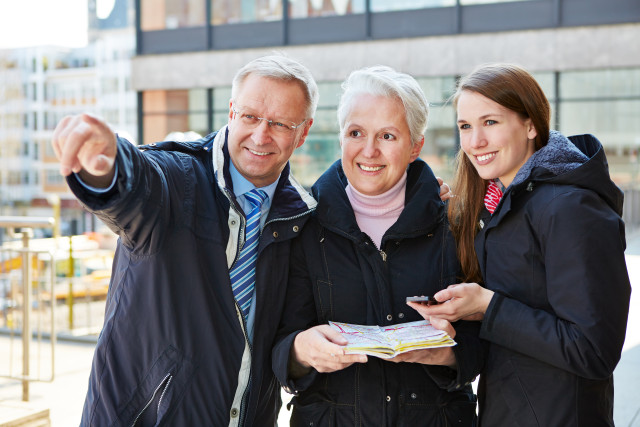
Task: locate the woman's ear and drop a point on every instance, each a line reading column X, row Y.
column 532, row 133
column 416, row 148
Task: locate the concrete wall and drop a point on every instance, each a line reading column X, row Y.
column 558, row 49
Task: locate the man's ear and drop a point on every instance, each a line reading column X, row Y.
column 305, row 132
column 230, row 110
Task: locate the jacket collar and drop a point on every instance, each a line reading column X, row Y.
column 422, row 213
column 557, row 157
column 577, row 160
column 290, row 198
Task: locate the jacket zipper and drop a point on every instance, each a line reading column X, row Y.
column 289, row 218
column 243, row 403
column 241, row 231
column 167, row 380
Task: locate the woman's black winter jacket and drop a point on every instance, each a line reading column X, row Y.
column 337, row 273
column 553, row 251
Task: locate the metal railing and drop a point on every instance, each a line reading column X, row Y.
column 25, row 261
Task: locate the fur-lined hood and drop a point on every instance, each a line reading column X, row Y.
column 578, row 160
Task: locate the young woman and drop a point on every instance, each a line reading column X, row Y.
column 379, row 234
column 549, row 252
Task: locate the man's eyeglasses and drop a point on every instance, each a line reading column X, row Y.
column 250, row 120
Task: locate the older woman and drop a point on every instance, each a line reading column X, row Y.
column 549, row 250
column 379, row 234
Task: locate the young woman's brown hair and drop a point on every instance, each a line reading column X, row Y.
column 514, row 88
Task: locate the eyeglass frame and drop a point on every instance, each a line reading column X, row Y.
column 271, row 122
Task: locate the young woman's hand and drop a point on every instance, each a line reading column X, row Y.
column 466, row 301
column 443, row 356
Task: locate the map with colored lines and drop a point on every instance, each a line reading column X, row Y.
column 389, row 341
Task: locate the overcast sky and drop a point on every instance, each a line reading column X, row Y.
column 43, row 22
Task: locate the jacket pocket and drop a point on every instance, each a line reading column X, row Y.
column 461, row 413
column 318, row 414
column 159, row 391
column 428, row 410
column 509, row 401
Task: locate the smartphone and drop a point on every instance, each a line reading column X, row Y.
column 423, row 300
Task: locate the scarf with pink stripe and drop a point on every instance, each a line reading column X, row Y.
column 493, row 196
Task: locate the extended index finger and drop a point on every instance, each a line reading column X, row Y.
column 70, row 140
column 81, row 130
column 57, row 138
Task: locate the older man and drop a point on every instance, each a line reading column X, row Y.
column 200, row 271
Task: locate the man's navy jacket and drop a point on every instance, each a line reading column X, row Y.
column 173, row 349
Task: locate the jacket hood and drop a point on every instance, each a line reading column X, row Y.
column 578, row 160
column 423, row 209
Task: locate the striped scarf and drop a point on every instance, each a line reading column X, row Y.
column 492, row 197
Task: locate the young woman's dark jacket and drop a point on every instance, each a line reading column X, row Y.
column 337, row 273
column 173, row 350
column 553, row 252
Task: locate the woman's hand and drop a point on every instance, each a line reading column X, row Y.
column 466, row 301
column 432, row 356
column 445, row 190
column 321, row 348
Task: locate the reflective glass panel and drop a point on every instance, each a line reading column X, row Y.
column 615, row 123
column 171, row 114
column 600, row 83
column 312, row 8
column 221, row 97
column 389, row 6
column 172, row 14
column 467, row 2
column 237, row 11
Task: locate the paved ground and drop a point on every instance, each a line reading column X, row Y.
column 65, row 395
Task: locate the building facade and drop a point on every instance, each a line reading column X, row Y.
column 585, row 54
column 38, row 87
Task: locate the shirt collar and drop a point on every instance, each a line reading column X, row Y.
column 241, row 184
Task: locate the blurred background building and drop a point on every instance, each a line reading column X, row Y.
column 162, row 69
column 153, row 67
column 585, row 53
column 38, row 87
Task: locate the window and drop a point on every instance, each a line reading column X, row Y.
column 466, row 2
column 221, row 97
column 172, row 14
column 313, row 8
column 390, row 6
column 605, row 103
column 237, row 11
column 173, row 111
column 53, row 178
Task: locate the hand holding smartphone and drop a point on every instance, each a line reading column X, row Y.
column 426, row 300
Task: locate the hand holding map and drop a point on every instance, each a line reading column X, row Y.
column 389, row 341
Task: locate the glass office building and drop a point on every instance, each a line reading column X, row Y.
column 585, row 54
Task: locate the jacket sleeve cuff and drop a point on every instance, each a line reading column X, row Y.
column 490, row 315
column 470, row 354
column 281, row 360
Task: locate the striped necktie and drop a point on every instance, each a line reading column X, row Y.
column 243, row 272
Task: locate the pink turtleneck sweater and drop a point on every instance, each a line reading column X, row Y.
column 375, row 214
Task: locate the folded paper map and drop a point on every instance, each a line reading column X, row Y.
column 389, row 341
